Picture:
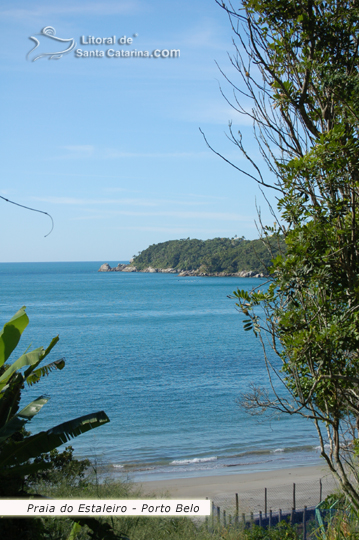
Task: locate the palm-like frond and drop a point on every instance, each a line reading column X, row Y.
column 28, row 359
column 36, row 375
column 16, row 456
column 45, row 441
column 11, row 334
column 19, row 420
column 25, row 469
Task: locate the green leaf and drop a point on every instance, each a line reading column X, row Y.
column 100, row 529
column 50, row 347
column 76, row 528
column 18, row 421
column 45, row 441
column 11, row 334
column 26, row 469
column 36, row 375
column 27, row 359
column 33, row 408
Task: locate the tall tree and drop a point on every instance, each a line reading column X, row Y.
column 298, row 61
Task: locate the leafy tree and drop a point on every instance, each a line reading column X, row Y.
column 298, row 61
column 23, row 454
column 216, row 255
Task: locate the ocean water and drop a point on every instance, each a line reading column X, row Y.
column 165, row 357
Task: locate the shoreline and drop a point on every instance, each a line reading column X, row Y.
column 224, row 486
column 128, row 268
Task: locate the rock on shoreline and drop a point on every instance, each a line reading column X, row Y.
column 181, row 273
column 243, row 273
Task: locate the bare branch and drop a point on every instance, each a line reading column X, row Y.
column 33, row 210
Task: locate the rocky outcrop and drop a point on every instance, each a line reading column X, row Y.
column 105, row 268
column 169, row 271
column 181, row 273
column 119, row 268
column 244, row 273
column 151, row 270
column 129, row 268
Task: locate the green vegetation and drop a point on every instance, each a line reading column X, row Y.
column 306, row 109
column 64, row 483
column 139, row 528
column 18, row 448
column 24, row 457
column 68, row 486
column 210, row 256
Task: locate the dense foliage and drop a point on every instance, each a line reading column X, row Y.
column 25, row 458
column 18, row 448
column 306, row 111
column 217, row 255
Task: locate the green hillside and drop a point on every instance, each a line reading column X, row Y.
column 217, row 255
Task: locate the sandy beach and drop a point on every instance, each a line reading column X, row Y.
column 250, row 487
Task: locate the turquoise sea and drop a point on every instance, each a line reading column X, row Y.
column 165, row 357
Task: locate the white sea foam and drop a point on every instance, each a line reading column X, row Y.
column 326, row 447
column 277, row 450
column 117, row 466
column 195, row 460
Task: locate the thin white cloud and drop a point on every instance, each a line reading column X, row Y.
column 181, row 202
column 177, row 230
column 86, row 202
column 42, row 11
column 204, row 196
column 201, row 37
column 214, row 112
column 80, row 148
column 215, row 216
column 100, row 176
column 71, row 201
column 120, row 189
column 113, row 154
column 82, row 151
column 206, row 33
column 212, row 216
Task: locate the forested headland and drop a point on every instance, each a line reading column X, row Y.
column 227, row 255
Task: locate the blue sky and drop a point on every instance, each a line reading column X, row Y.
column 111, row 147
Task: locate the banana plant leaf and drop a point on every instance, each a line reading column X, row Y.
column 42, row 356
column 10, row 393
column 45, row 441
column 76, row 528
column 100, row 529
column 11, row 334
column 10, row 397
column 25, row 469
column 36, row 375
column 28, row 359
column 51, row 346
column 20, row 419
